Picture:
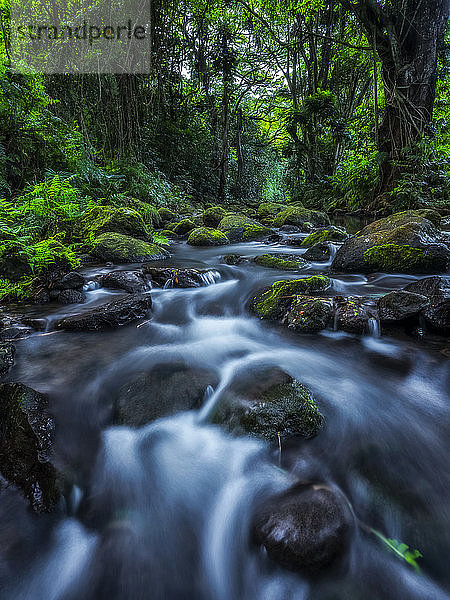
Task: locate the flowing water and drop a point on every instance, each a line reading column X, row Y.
column 163, row 512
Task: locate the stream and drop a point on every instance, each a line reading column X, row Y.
column 163, row 512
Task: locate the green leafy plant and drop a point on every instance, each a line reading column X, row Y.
column 400, row 549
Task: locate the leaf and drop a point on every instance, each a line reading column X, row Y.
column 401, row 549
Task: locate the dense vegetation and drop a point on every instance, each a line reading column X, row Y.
column 315, row 101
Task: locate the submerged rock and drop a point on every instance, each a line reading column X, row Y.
column 120, row 249
column 25, row 445
column 318, row 252
column 163, row 391
column 309, row 314
column 113, row 314
column 327, row 234
column 239, row 228
column 407, row 242
column 205, row 236
column 437, row 290
column 130, row 281
column 278, row 261
column 305, row 529
column 180, row 278
column 7, row 354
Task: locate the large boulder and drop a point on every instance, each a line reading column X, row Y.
column 281, row 262
column 180, row 278
column 326, row 234
column 437, row 290
column 239, row 228
column 268, row 403
column 105, row 219
column 318, row 252
column 184, row 227
column 304, row 529
column 407, row 242
column 270, row 209
column 298, row 216
column 352, row 314
column 26, row 431
column 275, row 302
column 119, row 249
column 206, row 236
column 7, row 354
column 165, row 215
column 113, row 314
column 309, row 315
column 213, row 215
column 130, row 281
column 400, row 305
column 161, row 392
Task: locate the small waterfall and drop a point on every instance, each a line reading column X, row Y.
column 91, row 286
column 210, row 277
column 336, row 319
column 168, row 284
column 374, row 327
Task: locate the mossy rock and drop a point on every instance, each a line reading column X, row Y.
column 206, row 236
column 295, row 215
column 327, row 234
column 239, row 228
column 212, row 216
column 310, row 315
column 183, row 227
column 169, row 234
column 103, row 219
column 166, row 215
column 275, row 302
column 272, row 261
column 270, row 209
column 120, row 249
column 318, row 252
column 406, row 242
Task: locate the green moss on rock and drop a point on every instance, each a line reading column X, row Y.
column 183, row 227
column 295, row 215
column 309, row 314
column 270, row 209
column 166, row 215
column 103, row 219
column 274, row 262
column 119, row 248
column 393, row 257
column 212, row 216
column 206, row 236
column 239, row 228
column 329, row 234
column 272, row 303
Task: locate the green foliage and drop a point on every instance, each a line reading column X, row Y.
column 400, row 549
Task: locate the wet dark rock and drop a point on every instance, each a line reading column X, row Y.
column 13, row 332
column 290, row 229
column 318, row 252
column 309, row 314
column 179, row 278
column 71, row 297
column 437, row 290
column 161, row 392
column 71, row 281
column 7, row 354
column 305, row 529
column 400, row 305
column 295, row 241
column 233, row 259
column 113, row 314
column 352, row 314
column 26, row 431
column 129, row 281
column 267, row 402
column 407, row 242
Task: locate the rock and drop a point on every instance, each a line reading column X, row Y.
column 183, row 227
column 304, row 529
column 291, row 229
column 129, row 281
column 25, row 445
column 233, row 259
column 7, row 354
column 119, row 249
column 275, row 302
column 71, row 281
column 169, row 234
column 318, row 253
column 437, row 290
column 295, row 215
column 165, row 215
column 71, row 297
column 400, row 305
column 295, row 241
column 326, row 234
column 113, row 314
column 180, row 278
column 267, row 402
column 165, row 390
column 273, row 261
column 205, row 236
column 352, row 315
column 212, row 216
column 239, row 228
column 107, row 219
column 270, row 209
column 309, row 315
column 445, row 224
column 406, row 242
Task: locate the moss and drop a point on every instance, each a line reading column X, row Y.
column 254, row 232
column 240, row 228
column 165, row 215
column 120, row 248
column 102, row 219
column 270, row 209
column 330, row 234
column 168, row 233
column 270, row 304
column 205, row 236
column 183, row 227
column 273, row 262
column 287, row 409
column 212, row 216
column 295, row 215
column 393, row 257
